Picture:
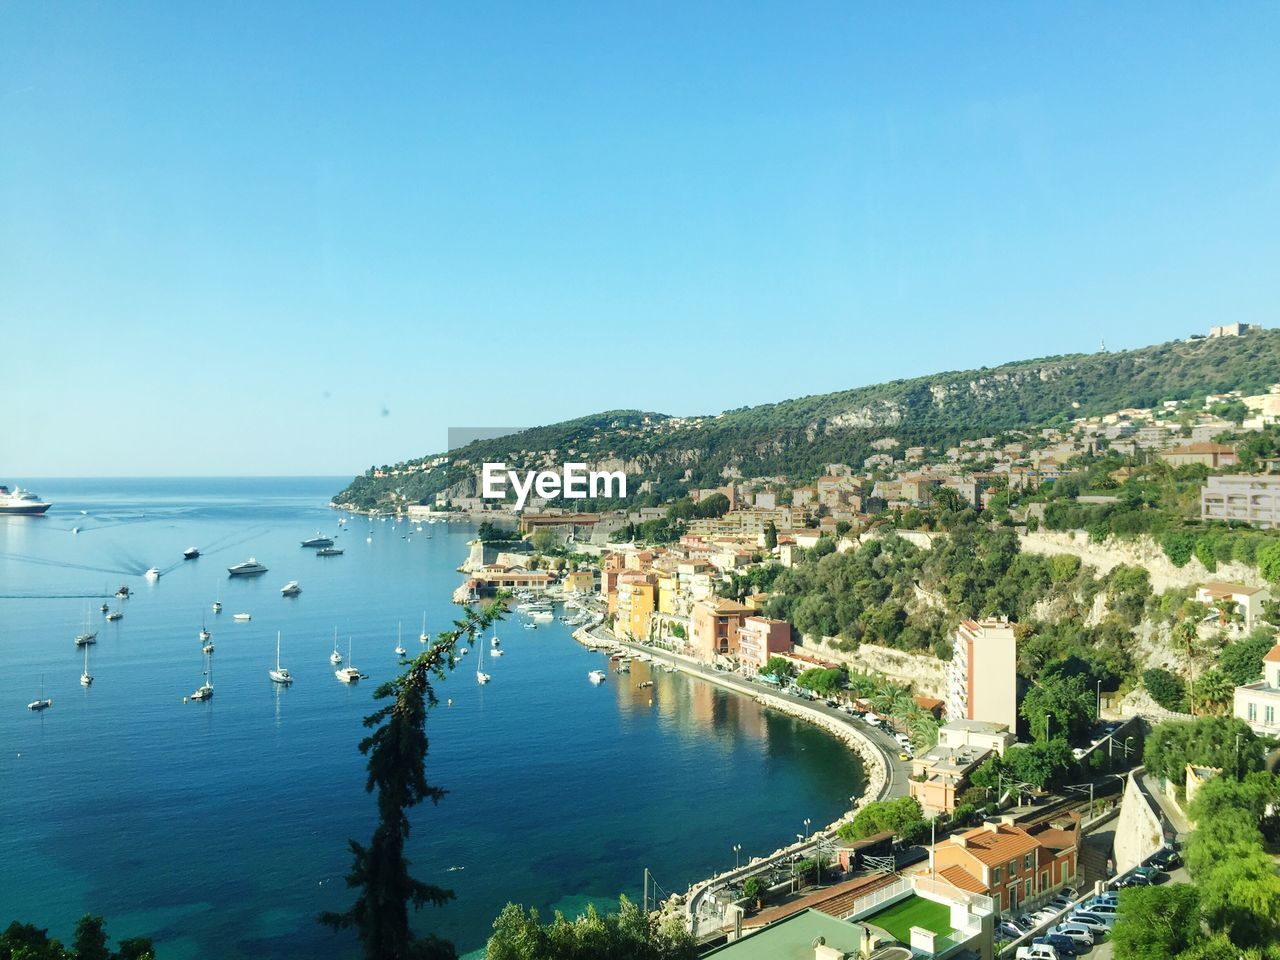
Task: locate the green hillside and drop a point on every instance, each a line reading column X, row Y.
column 796, row 437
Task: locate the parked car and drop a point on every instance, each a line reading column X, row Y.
column 1076, row 931
column 1036, row 951
column 1100, row 925
column 1065, row 946
column 1061, row 901
column 1107, row 911
column 1012, row 930
column 1150, row 874
column 904, row 756
column 1167, row 859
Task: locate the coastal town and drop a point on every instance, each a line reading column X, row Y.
column 1011, row 791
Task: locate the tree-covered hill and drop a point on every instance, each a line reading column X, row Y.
column 796, row 437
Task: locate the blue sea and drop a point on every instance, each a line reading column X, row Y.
column 220, row 828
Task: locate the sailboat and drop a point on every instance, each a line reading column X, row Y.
column 86, row 678
column 42, row 703
column 347, row 674
column 88, row 636
column 400, row 651
column 280, row 674
column 205, row 692
column 217, row 602
column 335, row 658
column 422, row 637
column 204, row 631
column 481, row 676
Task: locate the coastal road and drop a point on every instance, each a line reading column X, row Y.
column 896, row 771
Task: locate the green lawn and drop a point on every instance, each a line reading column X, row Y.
column 912, row 912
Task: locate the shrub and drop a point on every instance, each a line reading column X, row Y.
column 1166, row 689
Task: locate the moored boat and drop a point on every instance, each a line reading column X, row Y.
column 250, row 568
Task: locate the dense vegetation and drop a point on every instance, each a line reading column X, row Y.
column 629, row 934
column 796, row 437
column 22, row 941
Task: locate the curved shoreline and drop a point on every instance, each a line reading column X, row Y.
column 875, row 764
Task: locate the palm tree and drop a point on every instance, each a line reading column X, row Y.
column 1186, row 635
column 1213, row 692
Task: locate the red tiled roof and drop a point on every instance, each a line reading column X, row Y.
column 959, row 877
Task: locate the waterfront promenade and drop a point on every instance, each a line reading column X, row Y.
column 886, row 774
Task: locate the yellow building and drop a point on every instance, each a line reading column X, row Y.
column 668, row 593
column 637, row 601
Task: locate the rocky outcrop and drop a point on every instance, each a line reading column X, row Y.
column 1139, row 552
column 925, row 674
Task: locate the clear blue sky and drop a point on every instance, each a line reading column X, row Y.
column 243, row 238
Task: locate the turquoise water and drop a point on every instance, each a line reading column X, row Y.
column 220, row 828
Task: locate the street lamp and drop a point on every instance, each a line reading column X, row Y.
column 1097, row 713
column 1047, row 718
column 737, row 848
column 1237, row 768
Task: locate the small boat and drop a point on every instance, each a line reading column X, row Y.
column 190, row 553
column 114, row 615
column 481, row 676
column 328, row 552
column 645, row 684
column 335, row 658
column 400, row 651
column 242, row 617
column 497, row 651
column 123, row 592
column 347, row 674
column 290, row 589
column 152, row 574
column 422, row 637
column 250, row 568
column 84, row 639
column 463, row 651
column 105, row 608
column 204, row 632
column 530, row 626
column 624, row 666
column 43, row 703
column 205, row 690
column 280, row 674
column 318, row 541
column 217, row 606
column 597, row 676
column 495, row 642
column 86, row 678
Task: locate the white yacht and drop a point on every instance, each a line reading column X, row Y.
column 347, row 674
column 86, row 678
column 242, row 617
column 319, row 540
column 496, row 651
column 597, row 676
column 481, row 676
column 217, row 606
column 400, row 651
column 21, row 501
column 153, row 574
column 290, row 589
column 191, row 553
column 250, row 568
column 280, row 674
column 422, row 637
column 335, row 658
column 114, row 615
column 86, row 638
column 495, row 642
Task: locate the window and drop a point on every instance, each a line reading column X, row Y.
column 1026, row 861
column 1269, row 716
column 1044, row 881
column 1253, row 712
column 1026, row 891
column 1013, row 868
column 995, row 875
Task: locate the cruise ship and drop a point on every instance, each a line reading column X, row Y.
column 249, row 568
column 21, row 501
